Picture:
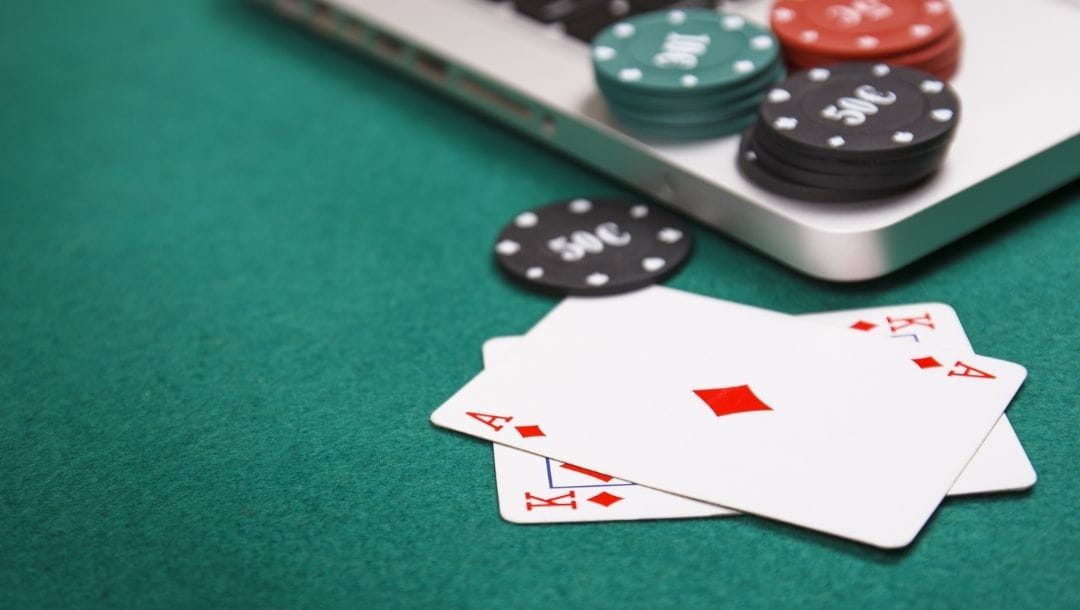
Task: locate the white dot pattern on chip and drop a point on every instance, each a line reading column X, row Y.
column 783, row 15
column 837, row 141
column 881, row 70
column 931, row 86
column 604, row 53
column 526, row 220
column 809, row 35
column 903, row 137
column 669, row 235
column 921, row 30
column 734, row 22
column 507, row 247
column 580, row 206
column 941, row 115
column 623, row 30
column 653, row 263
column 779, row 96
column 743, row 66
column 761, row 43
column 935, row 7
column 597, row 279
column 867, row 42
column 786, row 123
column 630, row 74
column 534, row 273
column 639, row 211
column 818, row 75
column 750, row 155
column 676, row 17
column 688, row 80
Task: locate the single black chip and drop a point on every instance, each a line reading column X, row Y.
column 860, row 110
column 592, row 246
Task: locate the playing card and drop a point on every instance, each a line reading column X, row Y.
column 537, row 489
column 527, row 482
column 743, row 408
column 1000, row 464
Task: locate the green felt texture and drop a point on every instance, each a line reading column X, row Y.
column 239, row 268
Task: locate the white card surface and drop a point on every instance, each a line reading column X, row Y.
column 744, row 408
column 1000, row 464
column 537, row 489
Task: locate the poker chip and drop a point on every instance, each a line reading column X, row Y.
column 850, row 132
column 922, row 34
column 751, row 89
column 860, row 28
column 897, row 176
column 941, row 59
column 858, row 110
column 744, row 109
column 748, row 162
column 593, row 246
column 671, row 52
column 948, row 46
column 663, row 132
column 869, row 167
column 685, row 73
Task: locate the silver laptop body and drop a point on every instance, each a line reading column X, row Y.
column 1019, row 135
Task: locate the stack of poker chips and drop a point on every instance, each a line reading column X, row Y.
column 850, row 132
column 691, row 73
column 921, row 34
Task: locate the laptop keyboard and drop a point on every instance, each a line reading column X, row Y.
column 583, row 19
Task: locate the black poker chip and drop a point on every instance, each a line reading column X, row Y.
column 899, row 175
column 592, row 246
column 860, row 166
column 749, row 165
column 860, row 109
column 850, row 133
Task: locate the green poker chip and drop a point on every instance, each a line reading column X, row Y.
column 682, row 52
column 760, row 81
column 730, row 99
column 667, row 131
column 732, row 111
column 685, row 74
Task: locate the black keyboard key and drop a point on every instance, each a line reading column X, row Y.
column 556, row 11
column 585, row 25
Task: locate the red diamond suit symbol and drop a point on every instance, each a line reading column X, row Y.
column 927, row 362
column 728, row 401
column 529, row 431
column 605, row 499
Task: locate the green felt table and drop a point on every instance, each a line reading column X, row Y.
column 239, row 268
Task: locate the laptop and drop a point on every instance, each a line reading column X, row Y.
column 527, row 64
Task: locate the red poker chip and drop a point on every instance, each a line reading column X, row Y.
column 948, row 43
column 944, row 67
column 860, row 29
column 939, row 58
column 948, row 71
